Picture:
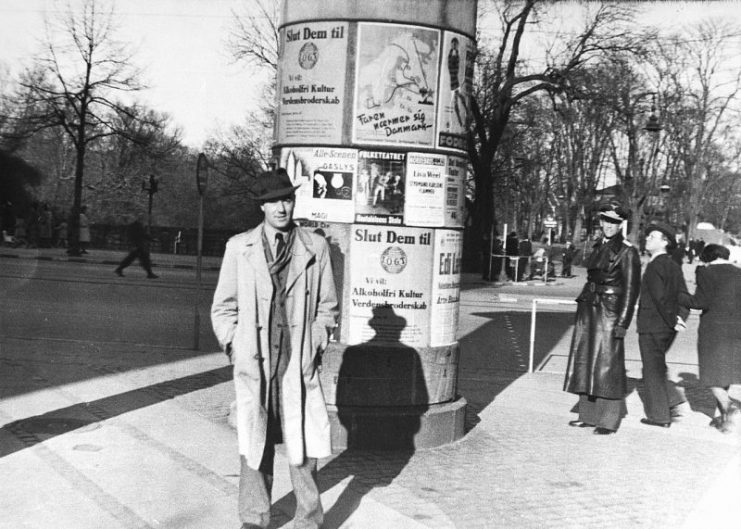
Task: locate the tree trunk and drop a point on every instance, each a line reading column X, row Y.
column 74, row 232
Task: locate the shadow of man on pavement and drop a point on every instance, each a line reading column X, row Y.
column 381, row 396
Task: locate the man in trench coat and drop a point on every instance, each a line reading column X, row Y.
column 274, row 307
column 596, row 367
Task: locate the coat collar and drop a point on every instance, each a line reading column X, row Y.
column 615, row 243
column 301, row 255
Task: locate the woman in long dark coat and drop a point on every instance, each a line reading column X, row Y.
column 718, row 294
column 596, row 368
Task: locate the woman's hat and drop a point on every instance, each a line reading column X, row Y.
column 613, row 211
column 272, row 185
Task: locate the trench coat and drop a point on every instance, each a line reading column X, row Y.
column 240, row 316
column 718, row 294
column 596, row 365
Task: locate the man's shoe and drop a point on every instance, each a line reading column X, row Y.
column 152, row 276
column 655, row 423
column 118, row 272
column 602, row 431
column 580, row 424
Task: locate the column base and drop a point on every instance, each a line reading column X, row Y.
column 396, row 427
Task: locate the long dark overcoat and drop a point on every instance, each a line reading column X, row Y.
column 718, row 294
column 596, row 364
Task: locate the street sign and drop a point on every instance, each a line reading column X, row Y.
column 202, row 173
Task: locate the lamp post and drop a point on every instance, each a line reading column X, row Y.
column 151, row 190
column 653, row 127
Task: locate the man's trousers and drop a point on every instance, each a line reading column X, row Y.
column 255, row 492
column 660, row 394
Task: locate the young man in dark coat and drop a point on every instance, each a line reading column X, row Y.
column 659, row 318
column 139, row 241
column 596, row 367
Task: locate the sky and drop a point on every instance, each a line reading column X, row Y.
column 181, row 47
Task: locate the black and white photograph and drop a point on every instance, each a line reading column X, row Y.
column 396, row 264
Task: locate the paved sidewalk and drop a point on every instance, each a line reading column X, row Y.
column 151, row 448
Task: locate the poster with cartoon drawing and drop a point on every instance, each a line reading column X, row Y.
column 456, row 86
column 327, row 178
column 395, row 84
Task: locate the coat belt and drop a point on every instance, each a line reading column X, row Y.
column 603, row 289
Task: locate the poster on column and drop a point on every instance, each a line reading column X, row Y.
column 446, row 287
column 379, row 194
column 425, row 190
column 456, row 87
column 311, row 82
column 390, row 278
column 395, row 83
column 337, row 236
column 455, row 192
column 327, row 178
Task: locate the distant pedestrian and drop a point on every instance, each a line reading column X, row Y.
column 20, row 232
column 677, row 252
column 718, row 294
column 274, row 306
column 511, row 248
column 659, row 318
column 32, row 225
column 139, row 241
column 46, row 226
column 84, row 224
column 497, row 250
column 61, row 230
column 525, row 250
column 569, row 252
column 596, row 366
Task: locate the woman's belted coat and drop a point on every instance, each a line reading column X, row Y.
column 240, row 316
column 596, row 364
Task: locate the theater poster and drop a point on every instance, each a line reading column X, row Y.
column 395, row 84
column 390, row 277
column 455, row 192
column 379, row 192
column 327, row 177
column 311, row 82
column 425, row 190
column 446, row 287
column 456, row 87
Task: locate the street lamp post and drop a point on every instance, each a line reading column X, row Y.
column 151, row 190
column 653, row 127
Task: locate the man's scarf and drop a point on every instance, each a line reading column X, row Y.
column 281, row 260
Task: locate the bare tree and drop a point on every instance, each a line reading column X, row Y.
column 701, row 100
column 505, row 79
column 74, row 82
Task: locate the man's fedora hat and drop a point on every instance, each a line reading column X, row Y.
column 613, row 211
column 273, row 185
column 665, row 230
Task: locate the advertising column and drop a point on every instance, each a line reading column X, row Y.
column 372, row 119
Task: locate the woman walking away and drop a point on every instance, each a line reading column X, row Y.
column 718, row 294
